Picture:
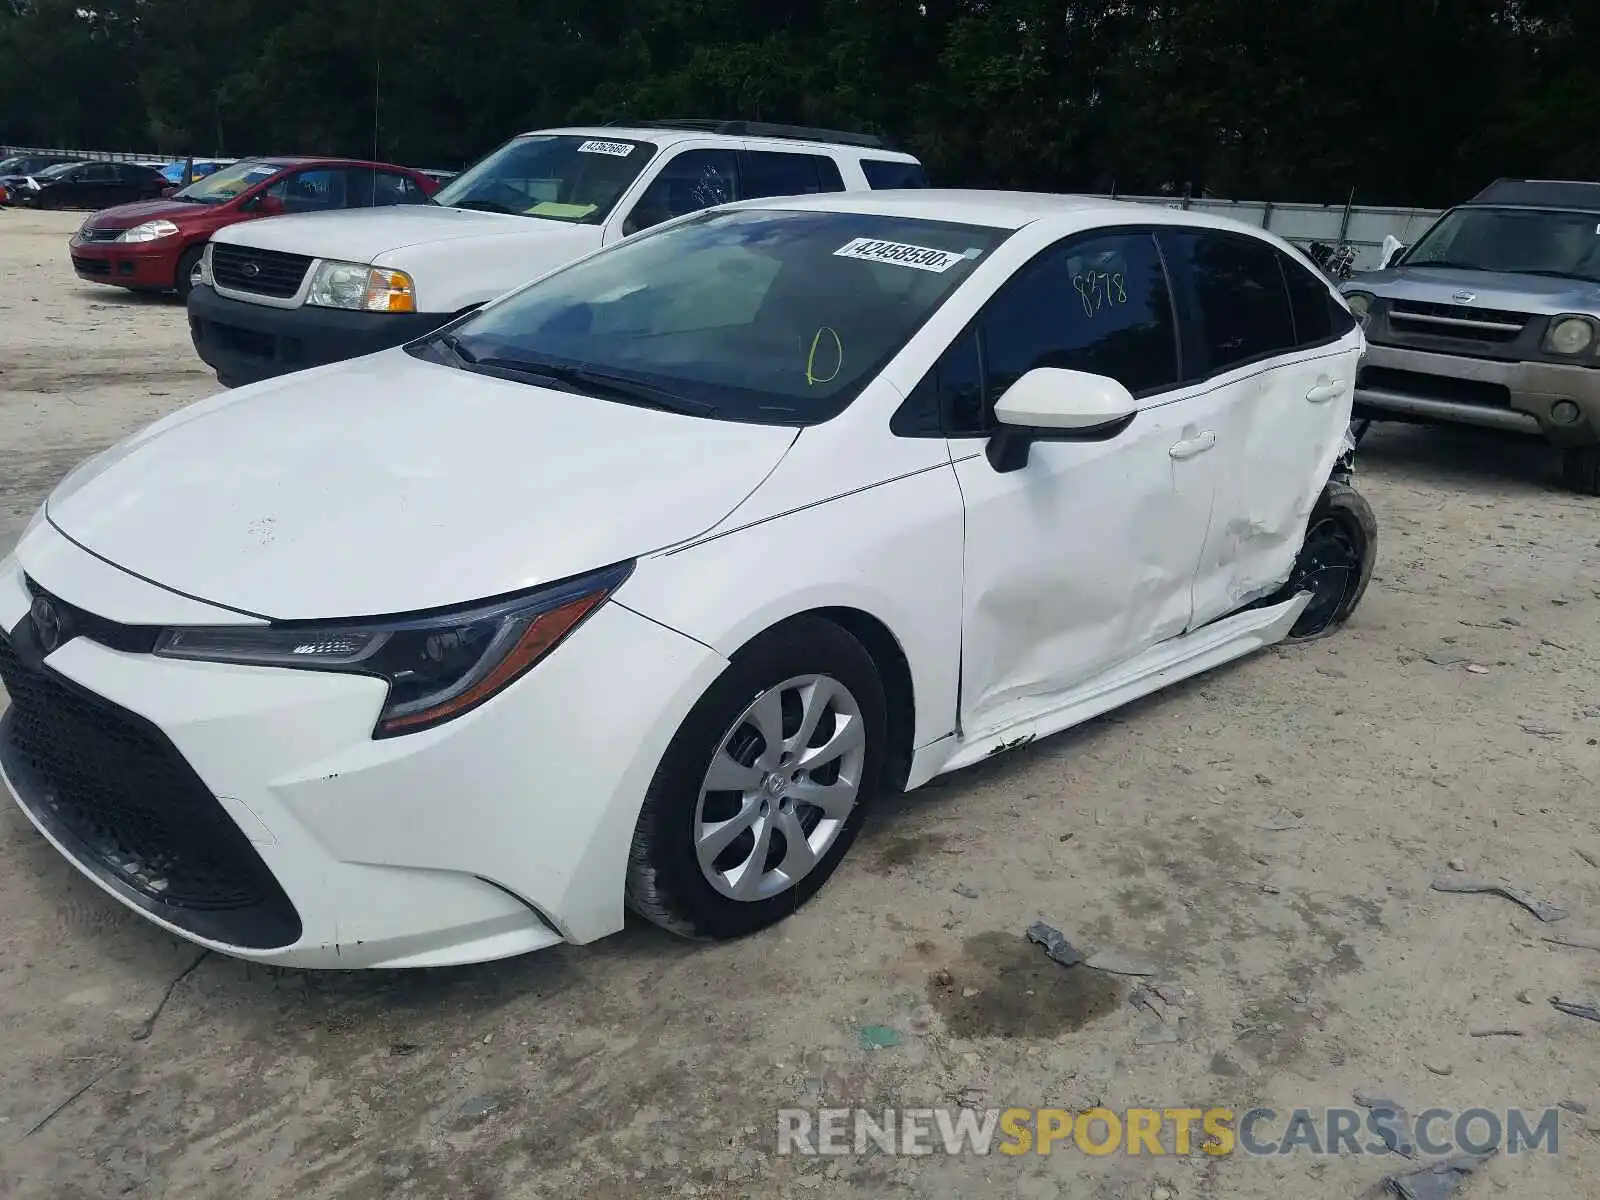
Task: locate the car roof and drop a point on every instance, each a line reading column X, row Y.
column 1572, row 194
column 1004, row 210
column 665, row 137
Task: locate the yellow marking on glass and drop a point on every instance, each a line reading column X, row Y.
column 812, row 378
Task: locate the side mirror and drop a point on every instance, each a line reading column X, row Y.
column 267, row 206
column 170, row 190
column 1053, row 404
column 1393, row 248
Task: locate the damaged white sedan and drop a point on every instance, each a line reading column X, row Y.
column 634, row 586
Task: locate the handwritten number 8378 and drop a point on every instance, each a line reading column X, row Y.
column 1097, row 289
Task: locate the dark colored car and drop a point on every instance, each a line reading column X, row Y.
column 155, row 246
column 14, row 171
column 90, row 185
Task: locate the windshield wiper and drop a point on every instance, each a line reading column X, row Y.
column 590, row 382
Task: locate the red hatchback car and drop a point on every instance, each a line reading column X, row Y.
column 153, row 246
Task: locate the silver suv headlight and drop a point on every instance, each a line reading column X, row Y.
column 362, row 288
column 1569, row 335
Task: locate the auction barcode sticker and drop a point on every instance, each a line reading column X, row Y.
column 615, row 149
column 923, row 258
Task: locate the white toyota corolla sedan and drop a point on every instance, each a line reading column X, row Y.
column 631, row 588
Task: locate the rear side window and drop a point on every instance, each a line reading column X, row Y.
column 1238, row 292
column 885, row 174
column 1318, row 317
column 770, row 173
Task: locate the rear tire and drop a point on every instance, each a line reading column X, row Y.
column 1580, row 470
column 718, row 862
column 1335, row 562
column 187, row 261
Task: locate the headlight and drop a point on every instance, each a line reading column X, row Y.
column 150, row 231
column 1569, row 335
column 1359, row 303
column 357, row 286
column 202, row 272
column 438, row 666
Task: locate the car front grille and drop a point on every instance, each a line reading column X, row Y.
column 100, row 235
column 117, row 793
column 262, row 272
column 1457, row 321
column 1478, row 392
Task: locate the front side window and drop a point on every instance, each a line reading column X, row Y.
column 1522, row 241
column 1239, row 293
column 558, row 177
column 222, row 186
column 317, row 190
column 691, row 181
column 764, row 315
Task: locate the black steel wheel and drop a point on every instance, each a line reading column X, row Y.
column 1335, row 562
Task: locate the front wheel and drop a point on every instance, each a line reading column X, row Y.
column 764, row 786
column 1580, row 470
column 1335, row 562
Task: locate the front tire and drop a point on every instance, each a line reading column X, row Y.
column 183, row 283
column 764, row 786
column 1335, row 562
column 1580, row 470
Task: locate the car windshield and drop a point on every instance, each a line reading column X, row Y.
column 560, row 177
column 224, row 185
column 765, row 315
column 1514, row 240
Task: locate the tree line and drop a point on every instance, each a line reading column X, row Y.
column 1412, row 102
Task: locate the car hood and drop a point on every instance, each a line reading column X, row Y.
column 388, row 484
column 364, row 234
column 126, row 216
column 1541, row 294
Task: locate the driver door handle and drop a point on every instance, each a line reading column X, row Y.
column 1325, row 390
column 1190, row 447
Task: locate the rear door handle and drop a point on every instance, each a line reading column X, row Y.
column 1190, row 447
column 1325, row 391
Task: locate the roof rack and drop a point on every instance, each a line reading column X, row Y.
column 800, row 133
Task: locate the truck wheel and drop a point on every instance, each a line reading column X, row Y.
column 1580, row 470
column 184, row 278
column 1335, row 563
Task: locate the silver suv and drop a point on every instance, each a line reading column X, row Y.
column 1492, row 318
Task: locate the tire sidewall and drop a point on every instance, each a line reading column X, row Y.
column 182, row 282
column 665, row 838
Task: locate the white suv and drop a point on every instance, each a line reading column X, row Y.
column 284, row 293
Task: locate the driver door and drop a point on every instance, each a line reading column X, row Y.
column 1087, row 555
column 688, row 181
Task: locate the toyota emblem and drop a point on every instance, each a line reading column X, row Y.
column 250, row 270
column 46, row 623
column 1464, row 297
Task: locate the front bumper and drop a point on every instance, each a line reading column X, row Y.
column 245, row 343
column 134, row 265
column 1417, row 385
column 250, row 811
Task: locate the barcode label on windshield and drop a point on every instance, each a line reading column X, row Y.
column 923, row 258
column 615, row 149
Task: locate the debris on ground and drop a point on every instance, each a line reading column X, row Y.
column 1525, row 996
column 1117, row 964
column 1475, row 669
column 1485, row 1033
column 1055, row 944
column 1440, row 1068
column 962, row 889
column 1162, row 1002
column 1543, row 731
column 1575, row 941
column 877, row 1037
column 1542, row 909
column 1156, row 1034
column 1437, row 1181
column 1392, row 1119
column 1455, row 864
column 1282, row 821
column 1589, row 858
column 478, row 1106
column 1575, row 1106
column 1442, row 658
column 1588, row 1012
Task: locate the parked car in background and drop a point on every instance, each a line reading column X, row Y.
column 173, row 172
column 344, row 286
column 155, row 246
column 635, row 586
column 1492, row 319
column 14, row 171
column 90, row 185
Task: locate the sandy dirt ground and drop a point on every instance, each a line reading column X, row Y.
column 1265, row 836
